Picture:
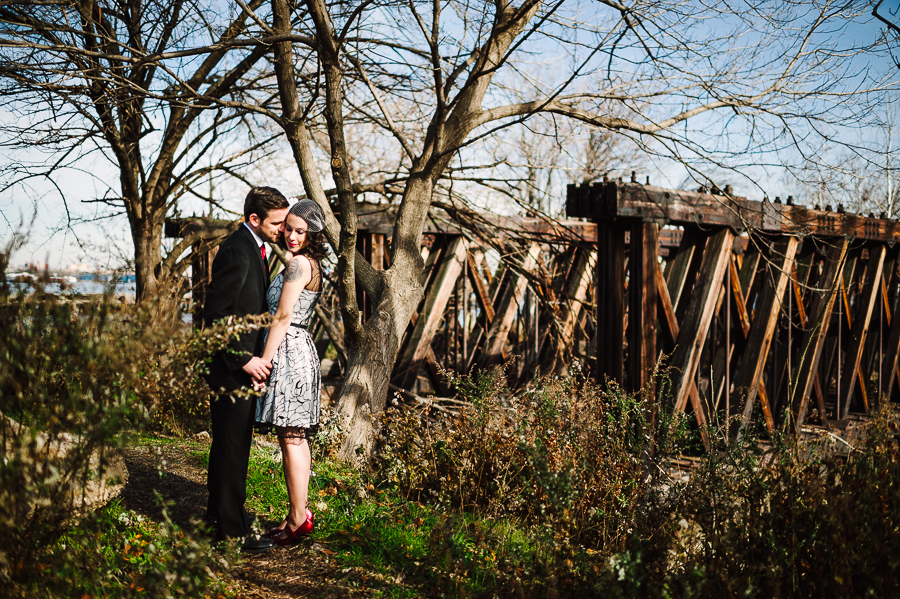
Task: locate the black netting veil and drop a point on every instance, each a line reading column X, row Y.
column 309, row 211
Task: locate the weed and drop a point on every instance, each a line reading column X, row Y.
column 117, row 553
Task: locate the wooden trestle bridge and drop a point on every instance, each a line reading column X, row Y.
column 756, row 310
column 762, row 306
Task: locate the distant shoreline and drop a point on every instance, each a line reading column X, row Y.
column 63, row 286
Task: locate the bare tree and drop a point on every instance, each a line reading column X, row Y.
column 424, row 93
column 149, row 86
column 861, row 176
column 444, row 81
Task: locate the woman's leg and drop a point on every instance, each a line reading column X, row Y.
column 296, row 460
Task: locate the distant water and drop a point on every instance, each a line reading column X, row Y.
column 127, row 289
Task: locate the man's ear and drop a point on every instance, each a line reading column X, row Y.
column 254, row 221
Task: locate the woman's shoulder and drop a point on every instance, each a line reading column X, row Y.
column 301, row 260
column 297, row 266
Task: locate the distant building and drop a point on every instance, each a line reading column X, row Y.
column 79, row 267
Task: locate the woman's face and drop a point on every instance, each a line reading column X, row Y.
column 295, row 236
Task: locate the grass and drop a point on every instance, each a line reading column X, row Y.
column 118, row 553
column 398, row 547
column 378, row 539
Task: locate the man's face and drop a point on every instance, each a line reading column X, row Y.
column 272, row 228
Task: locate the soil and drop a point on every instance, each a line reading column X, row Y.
column 303, row 570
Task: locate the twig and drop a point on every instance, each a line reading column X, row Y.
column 430, row 402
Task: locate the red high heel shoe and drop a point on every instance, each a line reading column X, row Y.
column 290, row 536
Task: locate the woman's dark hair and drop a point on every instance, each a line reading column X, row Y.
column 317, row 249
column 261, row 200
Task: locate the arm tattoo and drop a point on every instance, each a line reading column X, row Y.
column 293, row 271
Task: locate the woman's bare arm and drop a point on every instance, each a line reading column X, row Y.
column 296, row 278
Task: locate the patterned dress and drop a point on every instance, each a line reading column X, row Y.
column 295, row 383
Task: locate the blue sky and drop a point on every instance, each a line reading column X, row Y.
column 722, row 135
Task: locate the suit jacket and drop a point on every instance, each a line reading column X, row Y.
column 237, row 288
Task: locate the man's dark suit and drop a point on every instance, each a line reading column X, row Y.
column 237, row 288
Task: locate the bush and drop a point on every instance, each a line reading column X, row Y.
column 565, row 455
column 564, row 467
column 76, row 378
column 791, row 521
column 118, row 553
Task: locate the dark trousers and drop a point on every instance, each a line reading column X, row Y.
column 232, row 433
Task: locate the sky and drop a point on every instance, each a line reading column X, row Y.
column 35, row 211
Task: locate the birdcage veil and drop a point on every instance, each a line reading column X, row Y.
column 309, row 211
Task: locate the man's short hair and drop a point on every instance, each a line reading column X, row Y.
column 261, row 200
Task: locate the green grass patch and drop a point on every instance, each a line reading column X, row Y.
column 383, row 541
column 118, row 553
column 148, row 439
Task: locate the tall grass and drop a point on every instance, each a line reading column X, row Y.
column 117, row 553
column 565, row 469
column 788, row 521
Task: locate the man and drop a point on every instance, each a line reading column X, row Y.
column 240, row 277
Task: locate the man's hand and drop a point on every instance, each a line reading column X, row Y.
column 258, row 368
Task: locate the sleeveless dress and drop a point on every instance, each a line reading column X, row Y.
column 293, row 395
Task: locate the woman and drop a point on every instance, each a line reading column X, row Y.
column 291, row 403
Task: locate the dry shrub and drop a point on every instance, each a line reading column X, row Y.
column 784, row 522
column 565, row 464
column 565, row 454
column 80, row 374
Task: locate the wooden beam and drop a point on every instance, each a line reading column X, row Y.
column 435, row 304
column 892, row 347
column 787, row 332
column 739, row 314
column 650, row 203
column 679, row 275
column 210, row 229
column 380, row 218
column 833, row 350
column 670, row 324
column 739, row 298
column 699, row 314
column 506, row 307
column 768, row 308
column 861, row 320
column 812, row 342
column 669, row 206
column 379, row 251
column 482, row 293
column 875, row 349
column 764, row 404
column 610, row 285
column 642, row 306
column 431, row 259
column 748, row 271
column 576, row 291
column 486, row 296
column 851, row 282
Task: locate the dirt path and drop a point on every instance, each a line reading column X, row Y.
column 303, row 570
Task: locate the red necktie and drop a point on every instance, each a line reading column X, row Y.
column 262, row 252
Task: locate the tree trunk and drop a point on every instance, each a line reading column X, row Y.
column 147, row 237
column 370, row 361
